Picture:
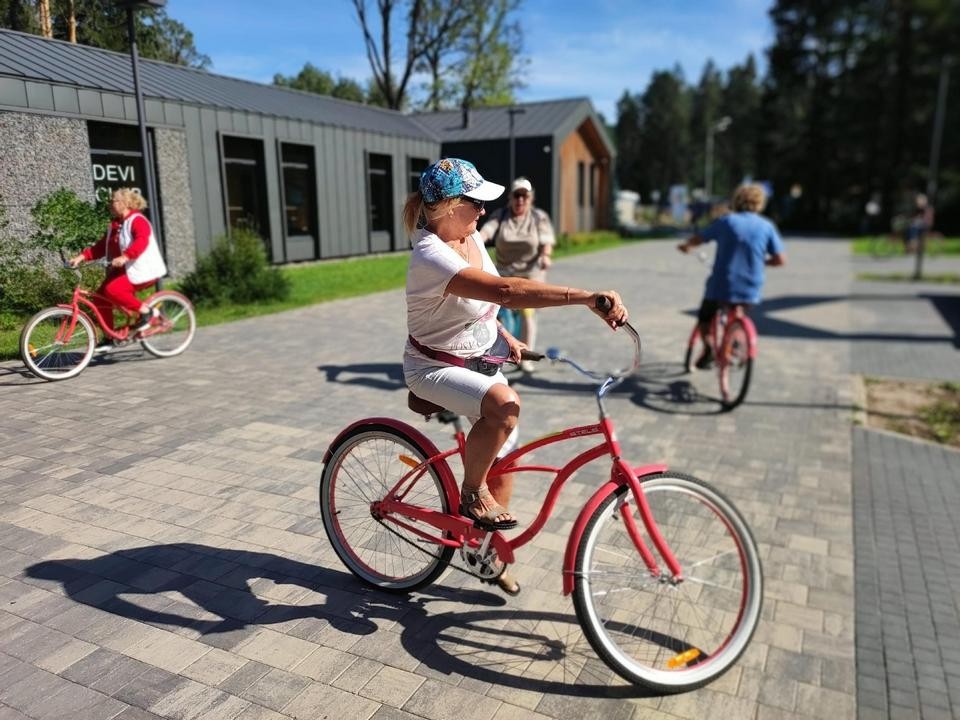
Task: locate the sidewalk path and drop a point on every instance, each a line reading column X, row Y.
column 907, row 501
column 163, row 554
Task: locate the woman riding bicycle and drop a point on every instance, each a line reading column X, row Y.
column 133, row 254
column 453, row 294
column 746, row 243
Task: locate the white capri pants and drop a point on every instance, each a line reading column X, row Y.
column 454, row 388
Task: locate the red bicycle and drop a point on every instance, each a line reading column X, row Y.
column 733, row 343
column 59, row 342
column 664, row 572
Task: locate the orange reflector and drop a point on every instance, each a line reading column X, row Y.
column 32, row 350
column 407, row 460
column 683, row 658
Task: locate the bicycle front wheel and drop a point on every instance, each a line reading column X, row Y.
column 668, row 636
column 175, row 328
column 362, row 468
column 51, row 350
column 735, row 366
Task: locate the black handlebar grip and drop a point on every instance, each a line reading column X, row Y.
column 531, row 355
column 603, row 303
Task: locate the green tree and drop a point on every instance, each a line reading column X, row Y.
column 627, row 139
column 736, row 148
column 704, row 113
column 320, row 82
column 103, row 24
column 664, row 134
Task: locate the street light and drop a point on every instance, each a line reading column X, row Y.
column 718, row 127
column 131, row 7
column 511, row 112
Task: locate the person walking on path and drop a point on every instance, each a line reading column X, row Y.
column 523, row 241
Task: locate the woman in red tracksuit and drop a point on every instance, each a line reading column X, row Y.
column 134, row 258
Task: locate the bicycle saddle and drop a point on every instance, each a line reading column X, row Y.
column 428, row 409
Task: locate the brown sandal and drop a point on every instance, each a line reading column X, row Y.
column 506, row 582
column 486, row 520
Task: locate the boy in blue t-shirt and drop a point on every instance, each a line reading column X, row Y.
column 746, row 243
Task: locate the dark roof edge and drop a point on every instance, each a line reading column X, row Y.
column 205, row 73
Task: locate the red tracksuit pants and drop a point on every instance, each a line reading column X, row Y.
column 118, row 290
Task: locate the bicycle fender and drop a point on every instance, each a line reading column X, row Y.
column 573, row 542
column 751, row 336
column 450, row 486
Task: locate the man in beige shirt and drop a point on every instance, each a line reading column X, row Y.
column 523, row 239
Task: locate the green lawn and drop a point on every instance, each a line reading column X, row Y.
column 864, row 246
column 323, row 281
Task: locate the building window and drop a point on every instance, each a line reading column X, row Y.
column 115, row 159
column 246, row 186
column 593, row 184
column 581, row 183
column 415, row 166
column 380, row 184
column 299, row 190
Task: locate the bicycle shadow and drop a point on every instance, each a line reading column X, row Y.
column 365, row 375
column 26, row 377
column 223, row 606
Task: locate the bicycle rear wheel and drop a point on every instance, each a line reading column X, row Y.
column 176, row 327
column 735, row 365
column 362, row 468
column 50, row 350
column 652, row 632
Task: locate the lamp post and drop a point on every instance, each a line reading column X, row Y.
column 131, row 7
column 511, row 111
column 718, row 127
column 935, row 143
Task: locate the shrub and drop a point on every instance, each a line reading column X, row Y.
column 30, row 277
column 236, row 271
column 66, row 224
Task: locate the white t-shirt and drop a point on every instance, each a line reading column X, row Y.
column 437, row 319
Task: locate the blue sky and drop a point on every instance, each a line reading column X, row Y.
column 597, row 53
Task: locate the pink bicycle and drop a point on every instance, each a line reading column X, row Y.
column 664, row 572
column 59, row 342
column 733, row 341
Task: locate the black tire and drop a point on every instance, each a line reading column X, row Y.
column 362, row 467
column 178, row 323
column 665, row 636
column 738, row 366
column 43, row 350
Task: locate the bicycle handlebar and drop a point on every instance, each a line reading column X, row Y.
column 612, row 378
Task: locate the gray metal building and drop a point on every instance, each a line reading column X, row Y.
column 315, row 176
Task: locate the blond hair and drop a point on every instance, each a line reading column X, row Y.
column 129, row 198
column 749, row 197
column 415, row 209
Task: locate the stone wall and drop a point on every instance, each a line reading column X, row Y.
column 176, row 201
column 38, row 155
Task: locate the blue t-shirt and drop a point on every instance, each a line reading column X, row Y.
column 744, row 240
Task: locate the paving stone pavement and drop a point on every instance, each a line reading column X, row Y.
column 906, row 501
column 163, row 554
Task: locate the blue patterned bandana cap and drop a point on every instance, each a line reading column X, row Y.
column 452, row 177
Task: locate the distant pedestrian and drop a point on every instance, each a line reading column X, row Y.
column 523, row 240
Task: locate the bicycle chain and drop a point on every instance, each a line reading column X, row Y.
column 437, row 556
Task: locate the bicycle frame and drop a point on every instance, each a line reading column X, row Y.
column 731, row 313
column 82, row 297
column 461, row 530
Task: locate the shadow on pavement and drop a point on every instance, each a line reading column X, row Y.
column 495, row 645
column 947, row 306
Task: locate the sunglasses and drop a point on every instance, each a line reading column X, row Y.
column 478, row 204
column 521, row 194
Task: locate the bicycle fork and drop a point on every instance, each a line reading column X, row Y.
column 633, row 530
